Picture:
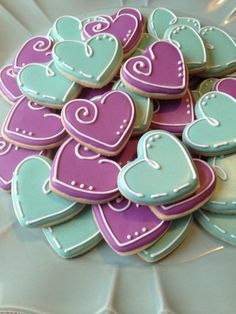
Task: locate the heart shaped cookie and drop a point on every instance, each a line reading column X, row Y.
column 143, row 109
column 35, row 50
column 74, row 237
column 8, row 86
column 207, row 184
column 221, row 52
column 73, row 176
column 174, row 236
column 223, row 199
column 174, row 114
column 132, row 11
column 214, row 131
column 158, row 73
column 104, row 124
column 124, row 26
column 100, row 58
column 190, row 44
column 45, row 85
column 67, row 28
column 34, row 204
column 161, row 19
column 149, row 178
column 220, row 226
column 10, row 157
column 226, row 85
column 31, row 125
column 128, row 227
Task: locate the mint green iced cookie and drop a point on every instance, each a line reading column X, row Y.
column 99, row 59
column 190, row 44
column 214, row 131
column 74, row 237
column 223, row 199
column 220, row 226
column 34, row 204
column 174, row 236
column 45, row 85
column 162, row 173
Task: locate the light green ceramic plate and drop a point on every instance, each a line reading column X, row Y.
column 198, row 278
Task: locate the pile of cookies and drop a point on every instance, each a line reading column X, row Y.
column 123, row 130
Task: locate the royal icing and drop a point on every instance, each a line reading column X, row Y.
column 10, row 157
column 128, row 227
column 149, row 178
column 8, row 86
column 45, row 85
column 143, row 109
column 220, row 226
column 174, row 114
column 105, row 123
column 226, row 85
column 213, row 133
column 207, row 184
column 161, row 19
column 174, row 236
column 34, row 204
column 159, row 71
column 31, row 125
column 221, row 51
column 35, row 50
column 124, row 26
column 73, row 172
column 190, row 44
column 74, row 237
column 223, row 199
column 67, row 28
column 100, row 56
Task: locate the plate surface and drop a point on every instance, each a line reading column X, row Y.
column 199, row 277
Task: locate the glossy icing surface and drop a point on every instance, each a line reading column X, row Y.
column 73, row 171
column 213, row 132
column 99, row 58
column 34, row 204
column 223, row 199
column 127, row 226
column 159, row 70
column 105, row 123
column 32, row 125
column 74, row 237
column 149, row 178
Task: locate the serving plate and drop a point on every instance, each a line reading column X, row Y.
column 199, row 277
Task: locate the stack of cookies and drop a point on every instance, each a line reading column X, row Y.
column 122, row 130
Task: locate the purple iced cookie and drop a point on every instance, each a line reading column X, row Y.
column 10, row 157
column 132, row 11
column 173, row 114
column 102, row 124
column 226, row 85
column 8, row 86
column 159, row 73
column 129, row 153
column 124, row 26
column 207, row 184
column 82, row 175
column 88, row 93
column 35, row 50
column 128, row 227
column 33, row 126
